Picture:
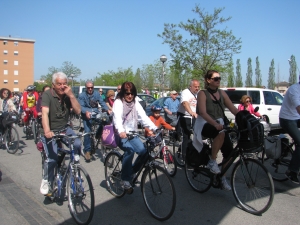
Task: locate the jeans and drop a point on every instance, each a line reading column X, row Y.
column 291, row 127
column 87, row 139
column 130, row 147
column 51, row 153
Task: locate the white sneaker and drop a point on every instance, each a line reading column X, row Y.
column 44, row 187
column 224, row 185
column 213, row 166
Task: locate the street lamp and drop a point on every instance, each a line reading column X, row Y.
column 72, row 76
column 163, row 59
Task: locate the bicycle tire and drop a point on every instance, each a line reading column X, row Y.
column 278, row 167
column 177, row 153
column 158, row 192
column 252, row 186
column 34, row 131
column 199, row 178
column 169, row 163
column 79, row 188
column 113, row 171
column 12, row 140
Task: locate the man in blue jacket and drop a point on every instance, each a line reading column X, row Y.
column 88, row 101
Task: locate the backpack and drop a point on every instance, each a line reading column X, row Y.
column 194, row 158
column 251, row 132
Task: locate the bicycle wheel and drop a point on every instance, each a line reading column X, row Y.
column 113, row 170
column 80, row 195
column 278, row 167
column 177, row 153
column 252, row 186
column 169, row 163
column 12, row 140
column 158, row 192
column 34, row 131
column 199, row 178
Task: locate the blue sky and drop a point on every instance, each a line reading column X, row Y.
column 101, row 35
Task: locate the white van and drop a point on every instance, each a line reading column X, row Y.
column 79, row 89
column 269, row 102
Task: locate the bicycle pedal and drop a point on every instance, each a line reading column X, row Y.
column 129, row 191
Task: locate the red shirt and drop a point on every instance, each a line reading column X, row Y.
column 158, row 122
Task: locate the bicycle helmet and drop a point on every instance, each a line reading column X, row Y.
column 156, row 108
column 30, row 88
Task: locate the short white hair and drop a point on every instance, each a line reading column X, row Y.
column 59, row 75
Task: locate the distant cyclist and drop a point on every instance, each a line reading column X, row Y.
column 30, row 98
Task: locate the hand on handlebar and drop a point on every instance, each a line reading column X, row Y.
column 27, row 109
column 123, row 135
column 219, row 126
column 88, row 115
column 49, row 134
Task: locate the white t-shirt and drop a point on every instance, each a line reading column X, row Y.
column 187, row 96
column 290, row 101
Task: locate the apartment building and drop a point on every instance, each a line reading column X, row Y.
column 16, row 63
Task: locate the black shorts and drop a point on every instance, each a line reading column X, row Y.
column 209, row 131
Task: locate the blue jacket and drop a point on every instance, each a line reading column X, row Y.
column 84, row 101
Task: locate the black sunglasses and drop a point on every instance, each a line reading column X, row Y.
column 129, row 93
column 216, row 78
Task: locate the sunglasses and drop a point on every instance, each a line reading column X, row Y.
column 118, row 89
column 128, row 93
column 215, row 78
column 90, row 87
column 248, row 101
column 100, row 91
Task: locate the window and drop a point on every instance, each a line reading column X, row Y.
column 16, row 72
column 16, row 63
column 5, row 52
column 5, row 81
column 16, row 43
column 5, row 62
column 5, row 72
column 16, row 53
column 5, row 42
column 16, row 81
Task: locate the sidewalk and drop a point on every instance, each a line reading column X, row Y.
column 17, row 207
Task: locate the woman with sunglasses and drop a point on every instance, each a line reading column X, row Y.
column 210, row 120
column 246, row 105
column 126, row 110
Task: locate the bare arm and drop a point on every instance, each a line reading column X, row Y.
column 45, row 122
column 75, row 104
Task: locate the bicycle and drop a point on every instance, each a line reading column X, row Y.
column 162, row 152
column 9, row 135
column 31, row 128
column 157, row 188
column 252, row 184
column 74, row 177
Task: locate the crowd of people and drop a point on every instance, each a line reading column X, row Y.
column 197, row 111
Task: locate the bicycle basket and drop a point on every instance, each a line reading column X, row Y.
column 9, row 118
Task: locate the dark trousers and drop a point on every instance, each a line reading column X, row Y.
column 186, row 125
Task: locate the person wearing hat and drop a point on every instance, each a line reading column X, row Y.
column 156, row 95
column 171, row 105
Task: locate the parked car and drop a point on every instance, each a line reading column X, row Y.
column 148, row 99
column 269, row 102
column 159, row 102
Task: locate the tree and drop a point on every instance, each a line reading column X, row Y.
column 68, row 68
column 271, row 79
column 231, row 78
column 201, row 45
column 112, row 78
column 249, row 74
column 239, row 79
column 138, row 81
column 258, row 81
column 293, row 70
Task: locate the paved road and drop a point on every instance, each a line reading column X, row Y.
column 22, row 203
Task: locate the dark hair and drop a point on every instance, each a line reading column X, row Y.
column 46, row 86
column 8, row 91
column 208, row 76
column 127, row 86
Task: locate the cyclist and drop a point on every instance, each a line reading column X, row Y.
column 126, row 111
column 56, row 104
column 6, row 104
column 187, row 111
column 210, row 121
column 30, row 98
column 157, row 120
column 88, row 101
column 289, row 119
column 246, row 105
column 171, row 107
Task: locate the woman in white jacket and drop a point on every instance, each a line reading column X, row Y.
column 126, row 110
